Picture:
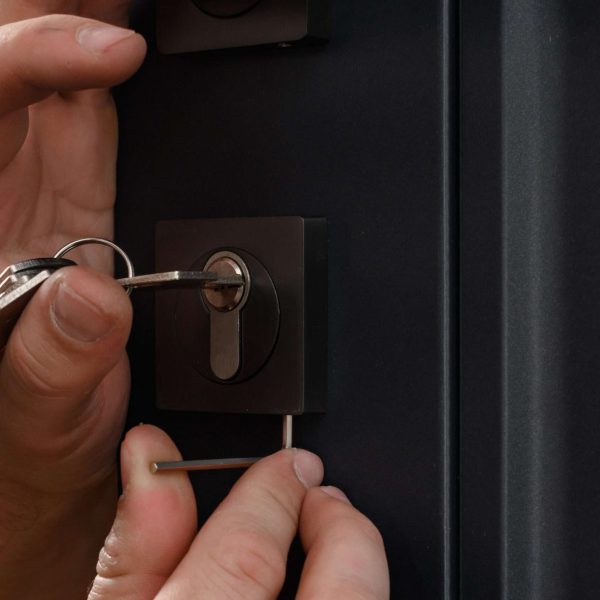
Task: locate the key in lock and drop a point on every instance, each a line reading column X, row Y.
column 225, row 305
column 282, row 323
column 234, row 356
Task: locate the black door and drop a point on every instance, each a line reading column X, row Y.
column 529, row 325
column 360, row 131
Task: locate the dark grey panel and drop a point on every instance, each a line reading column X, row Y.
column 530, row 297
column 357, row 132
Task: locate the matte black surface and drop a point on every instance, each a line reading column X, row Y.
column 530, row 325
column 283, row 323
column 358, row 131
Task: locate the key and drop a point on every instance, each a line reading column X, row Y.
column 168, row 279
column 18, row 284
column 203, row 279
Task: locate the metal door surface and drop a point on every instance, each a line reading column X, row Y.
column 359, row 131
column 529, row 326
column 459, row 178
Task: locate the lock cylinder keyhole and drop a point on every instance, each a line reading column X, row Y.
column 224, row 304
column 225, row 299
column 229, row 333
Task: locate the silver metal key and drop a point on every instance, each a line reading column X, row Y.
column 18, row 284
column 202, row 279
column 163, row 280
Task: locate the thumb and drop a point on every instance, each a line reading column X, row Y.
column 71, row 335
column 155, row 523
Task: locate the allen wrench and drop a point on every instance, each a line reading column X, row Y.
column 216, row 464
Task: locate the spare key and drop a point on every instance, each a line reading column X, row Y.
column 18, row 284
column 180, row 279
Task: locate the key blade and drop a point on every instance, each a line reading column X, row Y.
column 13, row 303
column 180, row 279
column 9, row 282
column 226, row 282
column 203, row 465
column 7, row 272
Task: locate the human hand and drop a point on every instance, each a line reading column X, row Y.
column 154, row 553
column 64, row 374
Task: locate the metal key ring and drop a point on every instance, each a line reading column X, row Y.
column 101, row 241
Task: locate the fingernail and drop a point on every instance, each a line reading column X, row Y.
column 335, row 493
column 76, row 317
column 99, row 38
column 308, row 468
column 136, row 468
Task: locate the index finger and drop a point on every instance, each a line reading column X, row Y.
column 242, row 549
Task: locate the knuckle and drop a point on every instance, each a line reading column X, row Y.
column 112, row 573
column 354, row 590
column 359, row 548
column 57, row 18
column 285, row 502
column 356, row 527
column 29, row 367
column 341, row 521
column 18, row 34
column 369, row 531
column 104, row 588
column 43, row 369
column 109, row 559
column 248, row 564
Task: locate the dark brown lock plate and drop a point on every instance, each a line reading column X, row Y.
column 258, row 348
